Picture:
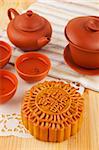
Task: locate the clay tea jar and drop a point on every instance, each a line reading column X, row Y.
column 83, row 36
column 28, row 31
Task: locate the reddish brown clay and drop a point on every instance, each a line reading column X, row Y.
column 69, row 60
column 83, row 36
column 32, row 66
column 8, row 85
column 5, row 53
column 52, row 111
column 28, row 31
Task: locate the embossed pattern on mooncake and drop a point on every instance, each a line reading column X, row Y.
column 52, row 111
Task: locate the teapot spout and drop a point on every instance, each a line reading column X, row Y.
column 43, row 41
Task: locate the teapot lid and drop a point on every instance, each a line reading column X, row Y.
column 84, row 32
column 29, row 21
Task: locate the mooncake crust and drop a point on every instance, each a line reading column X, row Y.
column 52, row 111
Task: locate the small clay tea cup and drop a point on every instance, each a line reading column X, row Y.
column 8, row 85
column 32, row 66
column 5, row 53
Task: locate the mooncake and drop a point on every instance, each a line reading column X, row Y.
column 52, row 111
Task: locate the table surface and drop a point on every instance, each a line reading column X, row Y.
column 88, row 136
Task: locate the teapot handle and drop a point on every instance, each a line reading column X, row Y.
column 12, row 11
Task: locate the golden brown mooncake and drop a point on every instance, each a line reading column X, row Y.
column 52, row 111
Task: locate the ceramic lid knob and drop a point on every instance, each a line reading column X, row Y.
column 93, row 25
column 29, row 13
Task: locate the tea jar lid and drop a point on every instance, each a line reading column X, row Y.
column 29, row 21
column 84, row 32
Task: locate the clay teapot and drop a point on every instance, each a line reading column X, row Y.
column 28, row 31
column 83, row 36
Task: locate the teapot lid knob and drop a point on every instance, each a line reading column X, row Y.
column 29, row 13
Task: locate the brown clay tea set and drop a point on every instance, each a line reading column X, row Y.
column 51, row 111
